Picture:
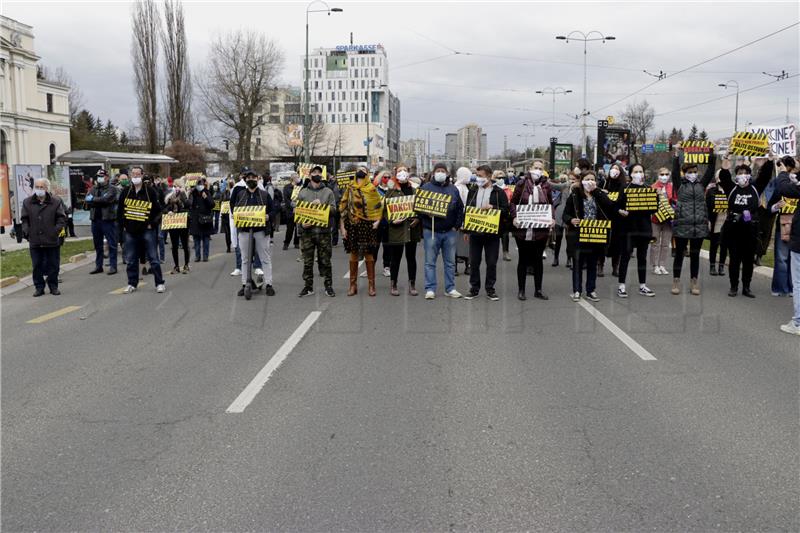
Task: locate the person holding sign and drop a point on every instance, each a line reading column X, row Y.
column 586, row 203
column 485, row 197
column 740, row 225
column 314, row 237
column 177, row 202
column 793, row 326
column 225, row 212
column 717, row 207
column 289, row 199
column 636, row 231
column 251, row 207
column 785, row 188
column 139, row 213
column 662, row 229
column 201, row 219
column 616, row 181
column 360, row 215
column 532, row 189
column 439, row 233
column 404, row 229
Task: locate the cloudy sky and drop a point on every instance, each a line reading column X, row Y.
column 452, row 63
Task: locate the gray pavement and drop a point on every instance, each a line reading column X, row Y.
column 396, row 413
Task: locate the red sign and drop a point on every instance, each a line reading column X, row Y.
column 5, row 201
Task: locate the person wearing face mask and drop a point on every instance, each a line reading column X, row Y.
column 690, row 226
column 616, row 181
column 715, row 222
column 141, row 217
column 739, row 230
column 225, row 221
column 315, row 238
column 465, row 180
column 102, row 203
column 402, row 235
column 201, row 219
column 43, row 218
column 176, row 201
column 662, row 231
column 216, row 196
column 793, row 326
column 253, row 240
column 636, row 232
column 361, row 211
column 534, row 188
column 499, row 177
column 239, row 188
column 291, row 231
column 559, row 188
column 785, row 185
column 586, row 202
column 440, row 234
column 381, row 182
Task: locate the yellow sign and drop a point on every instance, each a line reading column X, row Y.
column 343, row 179
column 304, row 169
column 665, row 211
column 720, row 203
column 641, row 199
column 482, row 220
column 400, row 207
column 295, row 192
column 138, row 210
column 594, row 231
column 613, row 196
column 610, row 120
column 431, row 203
column 225, row 208
column 250, row 216
column 697, row 152
column 749, row 144
column 314, row 214
column 174, row 221
column 216, row 205
column 790, row 207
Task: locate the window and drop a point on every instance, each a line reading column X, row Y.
column 362, row 61
column 372, row 82
column 344, row 95
column 258, row 141
column 319, row 96
column 49, row 102
column 366, row 95
column 329, row 106
column 333, row 95
column 52, row 153
column 340, row 106
column 319, row 73
column 365, row 118
column 3, row 153
column 355, row 118
column 372, row 61
column 316, row 84
column 352, row 84
column 363, row 106
column 333, row 119
column 340, row 84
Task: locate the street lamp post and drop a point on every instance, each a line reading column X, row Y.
column 428, row 155
column 554, row 92
column 733, row 83
column 586, row 38
column 306, row 116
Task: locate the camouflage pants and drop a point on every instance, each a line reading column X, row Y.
column 321, row 242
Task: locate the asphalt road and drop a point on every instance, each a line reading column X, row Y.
column 396, row 413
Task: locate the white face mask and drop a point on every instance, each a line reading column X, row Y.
column 663, row 179
column 402, row 176
column 637, row 178
column 692, row 176
column 39, row 192
column 793, row 177
column 200, row 188
column 743, row 179
column 481, row 181
column 588, row 185
column 390, row 185
column 136, row 181
column 536, row 173
column 614, row 172
column 440, row 177
column 576, row 171
column 101, row 181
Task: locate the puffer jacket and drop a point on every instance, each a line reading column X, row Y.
column 691, row 213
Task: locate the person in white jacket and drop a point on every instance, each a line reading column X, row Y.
column 464, row 176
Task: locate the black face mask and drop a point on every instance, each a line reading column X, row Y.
column 251, row 184
column 316, row 178
column 361, row 174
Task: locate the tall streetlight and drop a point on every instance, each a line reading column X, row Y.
column 733, row 83
column 554, row 92
column 428, row 158
column 577, row 35
column 306, row 116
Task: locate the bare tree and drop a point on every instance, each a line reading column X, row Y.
column 144, row 49
column 639, row 117
column 178, row 83
column 240, row 69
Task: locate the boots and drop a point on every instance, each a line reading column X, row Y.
column 721, row 269
column 676, row 286
column 394, row 291
column 714, row 270
column 371, row 276
column 353, row 278
column 412, row 289
column 695, row 287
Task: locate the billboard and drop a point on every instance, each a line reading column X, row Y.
column 294, row 132
column 614, row 145
column 58, row 175
column 5, row 197
column 562, row 158
column 24, row 177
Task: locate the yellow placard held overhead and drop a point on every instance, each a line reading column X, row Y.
column 174, row 221
column 749, row 144
column 790, row 207
column 431, row 203
column 304, row 169
column 594, row 231
column 720, row 203
column 482, row 220
column 400, row 207
column 138, row 210
column 250, row 216
column 314, row 214
column 225, row 208
column 641, row 199
column 697, row 152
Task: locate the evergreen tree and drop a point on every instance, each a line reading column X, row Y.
column 693, row 133
column 703, row 136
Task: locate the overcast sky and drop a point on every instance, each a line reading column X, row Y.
column 514, row 53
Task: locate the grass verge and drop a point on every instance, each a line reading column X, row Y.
column 18, row 262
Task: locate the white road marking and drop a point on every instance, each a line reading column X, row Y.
column 635, row 347
column 255, row 386
column 347, row 274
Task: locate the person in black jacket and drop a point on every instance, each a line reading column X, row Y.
column 740, row 226
column 102, row 203
column 176, row 201
column 201, row 219
column 43, row 219
column 715, row 222
column 617, row 180
column 139, row 213
column 224, row 223
column 793, row 326
column 637, row 232
column 485, row 196
column 258, row 236
column 292, row 235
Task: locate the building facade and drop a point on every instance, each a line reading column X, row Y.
column 466, row 146
column 34, row 113
column 412, row 154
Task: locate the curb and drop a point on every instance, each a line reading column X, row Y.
column 764, row 271
column 5, row 282
column 76, row 261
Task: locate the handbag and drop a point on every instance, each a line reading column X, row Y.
column 205, row 219
column 785, row 221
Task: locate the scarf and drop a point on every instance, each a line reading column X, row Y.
column 362, row 201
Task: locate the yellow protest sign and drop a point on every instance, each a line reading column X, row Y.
column 295, row 192
column 720, row 203
column 304, row 169
column 641, row 199
column 697, row 152
column 343, row 179
column 225, row 208
column 790, row 207
column 217, row 206
column 137, row 210
column 613, row 196
column 482, row 220
column 749, row 144
column 174, row 221
column 250, row 216
column 431, row 203
column 400, row 207
column 665, row 211
column 594, row 231
column 314, row 214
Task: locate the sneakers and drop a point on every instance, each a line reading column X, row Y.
column 160, row 288
column 592, row 296
column 576, row 296
column 386, row 272
column 329, row 292
column 471, row 294
column 236, row 272
column 430, row 295
column 186, row 269
column 258, row 272
column 791, row 328
column 664, row 271
column 622, row 293
column 492, row 295
column 660, row 271
column 176, row 270
column 646, row 291
column 454, row 294
column 506, row 256
column 307, row 291
column 270, row 291
column 129, row 289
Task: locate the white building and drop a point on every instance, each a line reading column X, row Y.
column 467, row 145
column 413, row 154
column 34, row 113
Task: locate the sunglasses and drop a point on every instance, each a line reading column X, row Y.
column 663, row 174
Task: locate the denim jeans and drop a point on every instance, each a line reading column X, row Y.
column 107, row 229
column 199, row 240
column 782, row 275
column 46, row 262
column 795, row 259
column 162, row 238
column 216, row 221
column 434, row 243
column 149, row 238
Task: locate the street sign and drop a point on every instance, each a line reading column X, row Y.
column 648, row 149
column 662, row 147
column 602, row 123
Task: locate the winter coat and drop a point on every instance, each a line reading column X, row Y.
column 201, row 218
column 405, row 231
column 523, row 191
column 691, row 214
column 103, row 202
column 146, row 194
column 497, row 200
column 42, row 221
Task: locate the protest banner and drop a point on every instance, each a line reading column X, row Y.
column 782, row 139
column 749, row 144
column 665, row 211
column 790, row 207
column 137, row 210
column 720, row 203
column 174, row 221
column 400, row 207
column 697, row 152
column 482, row 220
column 310, row 213
column 250, row 216
column 641, row 199
column 534, row 216
column 225, row 208
column 594, row 231
column 431, row 203
column 613, row 196
column 343, row 179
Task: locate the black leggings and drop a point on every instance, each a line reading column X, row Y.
column 694, row 256
column 717, row 242
column 742, row 243
column 631, row 243
column 530, row 254
column 182, row 235
column 395, row 252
